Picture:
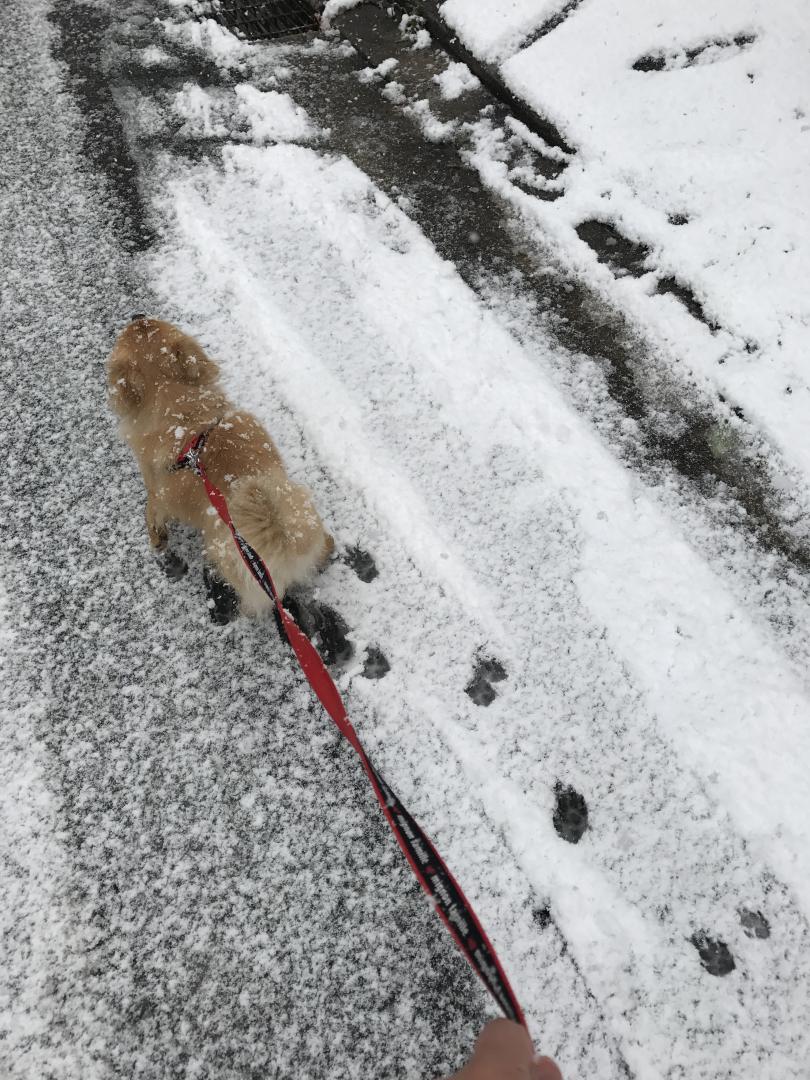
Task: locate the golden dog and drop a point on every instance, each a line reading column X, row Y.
column 165, row 389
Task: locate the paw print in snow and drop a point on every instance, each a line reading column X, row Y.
column 570, row 814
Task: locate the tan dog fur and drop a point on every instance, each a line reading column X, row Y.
column 165, row 389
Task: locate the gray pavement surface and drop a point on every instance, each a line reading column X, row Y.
column 231, row 904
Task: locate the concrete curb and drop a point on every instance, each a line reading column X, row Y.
column 428, row 11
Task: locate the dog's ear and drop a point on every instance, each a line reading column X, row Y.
column 125, row 384
column 191, row 362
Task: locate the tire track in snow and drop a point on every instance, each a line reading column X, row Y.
column 194, row 794
column 733, row 487
column 732, row 859
column 416, row 381
column 667, row 425
column 33, row 908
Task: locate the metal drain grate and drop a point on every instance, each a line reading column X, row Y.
column 262, row 19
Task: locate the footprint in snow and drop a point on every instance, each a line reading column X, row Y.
column 376, row 665
column 362, row 563
column 715, row 955
column 570, row 817
column 754, row 924
column 542, row 916
column 708, row 52
column 480, row 689
column 172, row 565
column 624, row 255
column 621, row 253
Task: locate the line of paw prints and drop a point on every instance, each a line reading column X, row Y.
column 571, row 821
column 570, row 816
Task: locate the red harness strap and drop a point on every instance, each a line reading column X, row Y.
column 425, row 861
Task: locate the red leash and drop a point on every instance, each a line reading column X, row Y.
column 425, row 861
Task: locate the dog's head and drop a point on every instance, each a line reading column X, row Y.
column 150, row 353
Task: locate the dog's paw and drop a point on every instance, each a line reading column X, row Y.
column 331, row 635
column 715, row 955
column 223, row 603
column 323, row 625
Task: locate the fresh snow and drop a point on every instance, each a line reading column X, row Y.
column 496, row 29
column 705, row 160
column 391, row 376
column 455, row 80
column 196, row 877
column 273, row 117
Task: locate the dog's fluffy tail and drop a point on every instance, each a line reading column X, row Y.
column 278, row 519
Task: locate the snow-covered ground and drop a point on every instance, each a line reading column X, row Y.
column 183, row 815
column 691, row 125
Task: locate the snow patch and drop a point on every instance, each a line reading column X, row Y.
column 154, row 56
column 692, row 139
column 224, row 47
column 273, row 116
column 333, row 8
column 202, row 111
column 456, row 80
column 496, row 29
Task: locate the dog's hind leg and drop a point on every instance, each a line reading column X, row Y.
column 171, row 563
column 156, row 522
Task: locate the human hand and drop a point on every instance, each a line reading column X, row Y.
column 504, row 1051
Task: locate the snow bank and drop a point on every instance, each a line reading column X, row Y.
column 496, row 29
column 692, row 126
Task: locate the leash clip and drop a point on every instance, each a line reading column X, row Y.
column 189, row 456
column 189, row 459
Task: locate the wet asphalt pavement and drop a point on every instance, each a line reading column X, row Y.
column 191, row 931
